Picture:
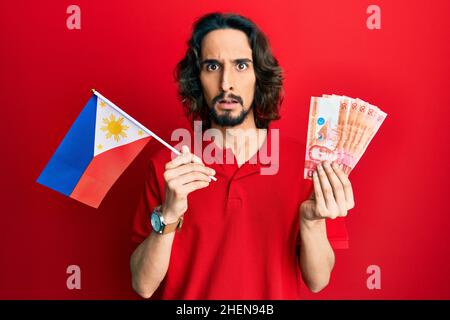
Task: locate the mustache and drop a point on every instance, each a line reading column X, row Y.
column 230, row 96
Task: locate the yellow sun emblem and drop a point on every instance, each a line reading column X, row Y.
column 114, row 127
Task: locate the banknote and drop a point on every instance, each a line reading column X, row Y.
column 323, row 132
column 344, row 108
column 377, row 118
column 340, row 128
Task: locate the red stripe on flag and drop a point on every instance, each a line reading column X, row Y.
column 104, row 170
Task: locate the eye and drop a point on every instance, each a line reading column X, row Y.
column 242, row 66
column 212, row 67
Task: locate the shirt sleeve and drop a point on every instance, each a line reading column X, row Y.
column 149, row 199
column 336, row 229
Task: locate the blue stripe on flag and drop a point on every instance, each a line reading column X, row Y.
column 74, row 153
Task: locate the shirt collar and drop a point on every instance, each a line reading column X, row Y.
column 251, row 166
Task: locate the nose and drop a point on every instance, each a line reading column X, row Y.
column 227, row 81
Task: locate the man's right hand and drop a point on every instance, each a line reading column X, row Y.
column 182, row 175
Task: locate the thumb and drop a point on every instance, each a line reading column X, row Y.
column 195, row 159
column 184, row 149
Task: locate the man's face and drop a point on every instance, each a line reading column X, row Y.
column 227, row 76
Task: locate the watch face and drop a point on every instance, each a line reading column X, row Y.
column 156, row 222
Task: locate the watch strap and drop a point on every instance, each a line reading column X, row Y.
column 171, row 227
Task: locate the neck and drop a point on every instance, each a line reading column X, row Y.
column 244, row 139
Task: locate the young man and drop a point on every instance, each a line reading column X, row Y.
column 248, row 235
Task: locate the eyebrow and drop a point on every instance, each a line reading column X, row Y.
column 236, row 61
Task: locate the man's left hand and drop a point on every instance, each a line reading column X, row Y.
column 332, row 196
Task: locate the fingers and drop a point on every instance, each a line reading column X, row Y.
column 183, row 158
column 338, row 189
column 187, row 173
column 333, row 194
column 182, row 166
column 320, row 200
column 182, row 185
column 187, row 168
column 188, row 182
column 346, row 184
column 194, row 185
column 190, row 177
column 195, row 159
column 327, row 191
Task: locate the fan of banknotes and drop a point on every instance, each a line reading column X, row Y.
column 339, row 129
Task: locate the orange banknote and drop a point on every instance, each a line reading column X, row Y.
column 340, row 129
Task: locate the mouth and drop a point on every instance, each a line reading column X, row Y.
column 228, row 104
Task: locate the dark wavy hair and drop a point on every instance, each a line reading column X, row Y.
column 268, row 90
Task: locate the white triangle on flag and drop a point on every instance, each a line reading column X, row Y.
column 112, row 129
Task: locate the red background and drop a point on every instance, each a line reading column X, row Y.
column 128, row 49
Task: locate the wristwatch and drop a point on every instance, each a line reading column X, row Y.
column 160, row 226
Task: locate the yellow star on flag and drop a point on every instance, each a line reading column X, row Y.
column 114, row 127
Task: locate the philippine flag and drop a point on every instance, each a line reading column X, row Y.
column 98, row 148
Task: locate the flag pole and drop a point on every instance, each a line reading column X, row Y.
column 137, row 123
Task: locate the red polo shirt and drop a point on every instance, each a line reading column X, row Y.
column 239, row 234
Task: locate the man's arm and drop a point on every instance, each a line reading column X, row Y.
column 332, row 197
column 150, row 261
column 316, row 255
